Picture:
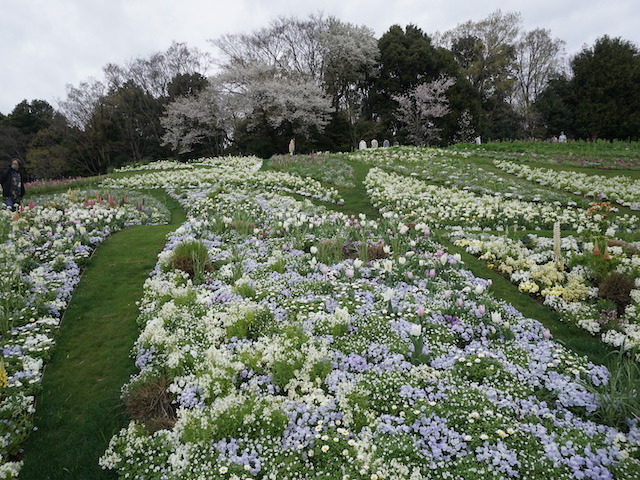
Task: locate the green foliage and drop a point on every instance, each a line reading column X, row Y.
column 417, row 356
column 245, row 289
column 479, row 368
column 283, row 371
column 252, row 415
column 253, row 325
column 279, row 265
column 601, row 98
column 15, row 423
column 607, row 78
column 11, row 300
column 598, row 264
column 374, row 395
column 192, row 257
column 619, row 397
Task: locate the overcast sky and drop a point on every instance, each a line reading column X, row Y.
column 47, row 44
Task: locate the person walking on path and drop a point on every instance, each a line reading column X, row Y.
column 12, row 185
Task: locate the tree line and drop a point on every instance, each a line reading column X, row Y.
column 329, row 84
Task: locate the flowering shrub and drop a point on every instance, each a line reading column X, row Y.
column 569, row 283
column 41, row 250
column 283, row 366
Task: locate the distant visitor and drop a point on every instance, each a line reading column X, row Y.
column 12, row 185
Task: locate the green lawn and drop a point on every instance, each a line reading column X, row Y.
column 79, row 408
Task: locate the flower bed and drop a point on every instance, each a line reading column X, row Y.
column 416, row 200
column 603, row 154
column 450, row 168
column 619, row 189
column 41, row 251
column 324, row 167
column 566, row 276
column 225, row 171
column 305, row 344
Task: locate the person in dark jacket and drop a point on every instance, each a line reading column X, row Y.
column 12, row 185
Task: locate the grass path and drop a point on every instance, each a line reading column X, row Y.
column 79, row 407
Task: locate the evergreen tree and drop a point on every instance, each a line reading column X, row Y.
column 606, row 81
column 408, row 58
column 601, row 99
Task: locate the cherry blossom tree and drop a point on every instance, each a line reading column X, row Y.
column 419, row 109
column 195, row 122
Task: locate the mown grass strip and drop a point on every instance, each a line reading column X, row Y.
column 79, row 408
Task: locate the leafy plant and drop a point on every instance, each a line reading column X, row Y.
column 192, row 257
column 619, row 396
column 330, row 251
column 617, row 288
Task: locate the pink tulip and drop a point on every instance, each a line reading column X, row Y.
column 459, row 302
column 410, row 275
column 432, row 273
column 421, row 311
column 546, row 334
column 481, row 309
column 349, row 273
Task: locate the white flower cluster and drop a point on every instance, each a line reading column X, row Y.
column 221, row 172
column 619, row 189
column 440, row 206
column 449, row 168
column 568, row 290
